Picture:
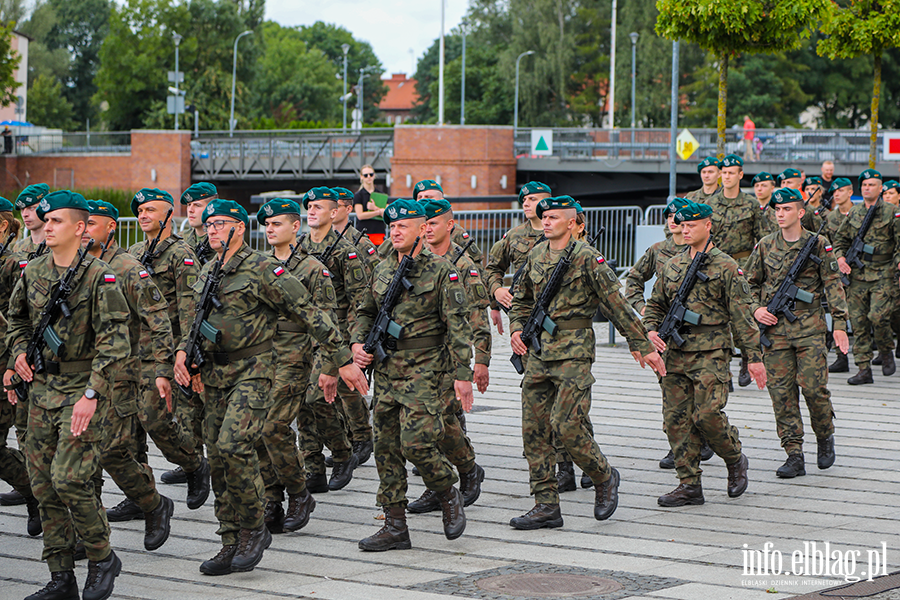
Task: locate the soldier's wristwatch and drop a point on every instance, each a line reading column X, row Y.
column 90, row 394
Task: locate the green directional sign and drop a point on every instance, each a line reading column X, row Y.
column 542, row 142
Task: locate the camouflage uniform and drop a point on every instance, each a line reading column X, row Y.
column 408, row 402
column 797, row 356
column 255, row 290
column 511, row 251
column 649, row 265
column 737, row 223
column 26, row 245
column 870, row 295
column 811, row 220
column 199, row 245
column 701, row 196
column 695, row 388
column 364, row 246
column 60, row 465
column 833, row 221
column 556, row 388
column 461, row 237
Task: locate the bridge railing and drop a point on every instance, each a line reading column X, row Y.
column 80, row 142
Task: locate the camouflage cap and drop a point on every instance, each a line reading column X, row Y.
column 890, row 185
column 674, row 206
column 869, row 174
column 150, row 195
column 709, row 161
column 694, row 211
column 559, row 202
column 732, row 160
column 6, row 205
column 434, row 207
column 199, row 191
column 812, row 180
column 226, row 208
column 401, row 209
column 533, row 187
column 60, row 199
column 785, row 196
column 426, row 184
column 277, row 206
column 31, row 195
column 103, row 209
column 762, row 176
column 319, row 193
column 343, row 193
column 839, row 183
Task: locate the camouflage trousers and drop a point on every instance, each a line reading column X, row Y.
column 556, row 400
column 234, row 418
column 321, row 424
column 455, row 444
column 12, row 461
column 870, row 304
column 409, row 426
column 792, row 365
column 280, row 462
column 695, row 391
column 60, row 467
column 357, row 413
column 171, row 437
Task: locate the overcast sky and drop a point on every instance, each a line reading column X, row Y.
column 392, row 27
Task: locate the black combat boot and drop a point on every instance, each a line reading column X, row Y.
column 683, row 495
column 101, row 577
column 62, row 586
column 840, row 364
column 393, row 535
column 667, row 461
column 35, row 528
column 274, row 517
column 12, row 498
column 251, row 545
column 220, row 564
column 586, row 481
column 794, row 466
column 174, row 476
column 317, row 483
column 744, row 378
column 470, row 484
column 606, row 497
column 737, row 476
column 888, row 367
column 126, row 510
column 427, row 502
column 363, row 450
column 864, row 376
column 542, row 515
column 198, row 485
column 565, row 477
column 825, row 452
column 300, row 507
column 453, row 515
column 706, row 452
column 342, row 473
column 329, row 461
column 156, row 524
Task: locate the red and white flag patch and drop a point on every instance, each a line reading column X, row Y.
column 109, row 278
column 326, row 273
column 740, row 272
column 352, row 255
column 827, row 247
column 454, row 277
column 189, row 262
column 144, row 274
column 466, row 236
column 371, row 251
column 473, row 272
column 23, row 264
column 279, row 271
column 600, row 260
column 897, row 214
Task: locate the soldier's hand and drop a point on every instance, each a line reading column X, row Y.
column 517, row 344
column 23, row 368
column 7, row 382
column 843, row 266
column 763, row 315
column 656, row 363
column 503, row 296
column 464, row 394
column 482, row 377
column 758, row 373
column 182, row 376
column 642, row 311
column 354, row 378
column 197, row 383
column 82, row 413
column 497, row 320
column 164, row 387
column 657, row 342
column 328, row 384
column 840, row 338
column 360, row 357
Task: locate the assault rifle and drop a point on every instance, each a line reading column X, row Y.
column 42, row 247
column 326, row 254
column 539, row 319
column 9, row 240
column 359, row 237
column 788, row 292
column 103, row 247
column 150, row 255
column 294, row 248
column 43, row 335
column 858, row 247
column 208, row 302
column 678, row 313
column 518, row 274
column 462, row 251
column 384, row 324
column 201, row 251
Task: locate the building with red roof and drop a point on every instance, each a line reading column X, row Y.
column 396, row 105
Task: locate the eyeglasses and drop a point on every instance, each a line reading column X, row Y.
column 368, row 174
column 218, row 225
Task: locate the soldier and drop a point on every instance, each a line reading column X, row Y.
column 813, row 189
column 350, row 278
column 870, row 293
column 455, row 445
column 790, row 178
column 147, row 308
column 841, row 191
column 797, row 354
column 236, row 378
column 429, row 189
column 695, row 387
column 195, row 198
column 173, row 271
column 436, row 339
column 27, row 202
column 556, row 388
column 709, row 170
column 69, row 399
column 763, row 187
column 363, row 244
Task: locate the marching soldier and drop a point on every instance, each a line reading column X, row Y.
column 27, row 202
column 363, row 244
column 790, row 178
column 763, row 188
column 841, row 191
column 797, row 354
column 709, row 170
column 195, row 198
column 429, row 189
column 695, row 386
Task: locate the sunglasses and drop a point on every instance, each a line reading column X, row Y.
column 368, row 174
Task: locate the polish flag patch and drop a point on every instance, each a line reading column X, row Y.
column 473, row 272
column 740, row 272
column 23, row 264
column 454, row 277
column 371, row 251
column 189, row 262
column 466, row 235
column 827, row 247
column 352, row 255
column 326, row 273
column 897, row 214
column 600, row 260
column 109, row 278
column 144, row 274
column 279, row 271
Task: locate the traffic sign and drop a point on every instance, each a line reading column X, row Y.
column 891, row 145
column 686, row 144
column 542, row 142
column 171, row 76
column 174, row 104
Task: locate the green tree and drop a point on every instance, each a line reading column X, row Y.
column 42, row 60
column 863, row 27
column 425, row 109
column 12, row 10
column 489, row 97
column 739, row 26
column 9, row 62
column 48, row 106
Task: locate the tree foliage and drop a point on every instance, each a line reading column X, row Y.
column 48, row 106
column 9, row 62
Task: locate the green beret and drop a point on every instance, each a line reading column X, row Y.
column 103, row 209
column 555, row 203
column 319, row 193
column 674, row 206
column 813, row 180
column 6, row 205
column 533, row 187
column 226, row 208
column 839, row 183
column 869, row 174
column 31, row 195
column 578, row 209
column 788, row 174
column 343, row 193
column 434, row 207
column 150, row 195
column 763, row 176
column 784, row 196
column 890, row 185
column 732, row 160
column 709, row 161
column 693, row 211
column 402, row 209
column 277, row 206
column 199, row 191
column 61, row 199
column 426, row 184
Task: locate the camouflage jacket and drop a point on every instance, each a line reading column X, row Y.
column 478, row 302
column 701, row 196
column 461, row 237
column 176, row 273
column 11, row 267
column 255, row 291
column 509, row 252
column 364, row 246
column 724, row 298
column 650, row 264
column 588, row 284
column 25, row 246
column 436, row 306
column 811, row 220
column 97, row 331
column 199, row 245
column 737, row 223
column 832, row 223
column 767, row 269
column 883, row 235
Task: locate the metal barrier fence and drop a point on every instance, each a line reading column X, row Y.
column 111, row 142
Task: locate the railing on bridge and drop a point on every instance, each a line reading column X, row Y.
column 290, row 154
column 81, row 142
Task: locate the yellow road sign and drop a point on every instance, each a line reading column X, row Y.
column 686, row 144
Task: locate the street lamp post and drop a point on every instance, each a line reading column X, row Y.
column 345, row 48
column 177, row 39
column 612, row 70
column 634, row 39
column 516, row 107
column 231, row 122
column 362, row 74
column 462, row 101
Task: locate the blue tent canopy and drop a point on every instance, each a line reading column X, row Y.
column 16, row 123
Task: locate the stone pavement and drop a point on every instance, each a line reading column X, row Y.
column 643, row 551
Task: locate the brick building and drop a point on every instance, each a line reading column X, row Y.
column 396, row 105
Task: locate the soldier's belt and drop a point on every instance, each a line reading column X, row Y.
column 430, row 341
column 708, row 328
column 64, row 368
column 290, row 327
column 224, row 358
column 739, row 255
column 880, row 258
column 806, row 305
column 572, row 324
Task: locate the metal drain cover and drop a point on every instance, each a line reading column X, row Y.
column 548, row 585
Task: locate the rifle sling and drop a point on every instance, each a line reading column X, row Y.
column 290, row 327
column 573, row 324
column 419, row 343
column 224, row 358
column 880, row 258
column 66, row 368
